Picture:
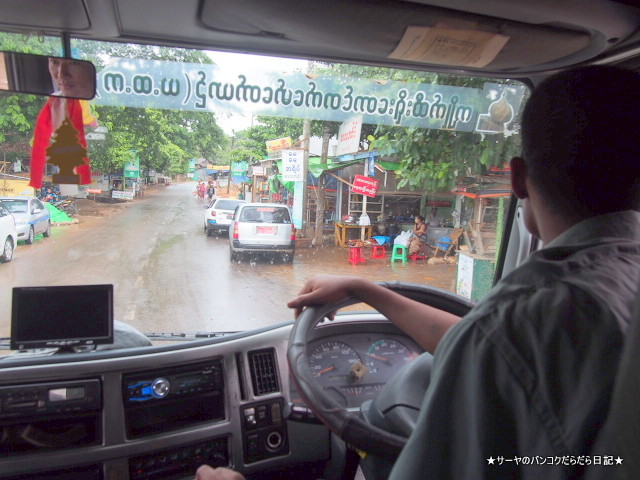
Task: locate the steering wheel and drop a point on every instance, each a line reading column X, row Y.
column 350, row 428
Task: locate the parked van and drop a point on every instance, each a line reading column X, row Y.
column 262, row 227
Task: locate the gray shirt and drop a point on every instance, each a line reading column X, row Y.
column 434, row 221
column 520, row 387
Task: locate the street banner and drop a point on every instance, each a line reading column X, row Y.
column 365, row 186
column 208, row 88
column 292, row 165
column 278, row 144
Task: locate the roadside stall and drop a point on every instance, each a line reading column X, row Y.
column 483, row 221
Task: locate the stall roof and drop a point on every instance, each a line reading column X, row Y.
column 482, row 191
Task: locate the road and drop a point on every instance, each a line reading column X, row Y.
column 170, row 277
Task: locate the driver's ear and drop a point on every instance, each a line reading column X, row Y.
column 519, row 177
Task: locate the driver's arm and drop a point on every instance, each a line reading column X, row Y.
column 425, row 324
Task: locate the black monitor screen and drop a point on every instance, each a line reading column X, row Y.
column 63, row 316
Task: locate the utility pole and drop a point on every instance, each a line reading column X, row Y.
column 229, row 176
column 321, row 193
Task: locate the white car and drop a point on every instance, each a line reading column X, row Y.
column 32, row 217
column 262, row 227
column 219, row 214
column 8, row 235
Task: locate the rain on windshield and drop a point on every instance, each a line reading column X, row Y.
column 362, row 157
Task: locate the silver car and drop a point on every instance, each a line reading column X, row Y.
column 8, row 235
column 32, row 217
column 262, row 227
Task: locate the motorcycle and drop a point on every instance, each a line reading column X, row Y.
column 67, row 206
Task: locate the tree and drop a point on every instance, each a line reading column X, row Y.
column 18, row 112
column 328, row 130
column 431, row 160
column 165, row 139
column 253, row 140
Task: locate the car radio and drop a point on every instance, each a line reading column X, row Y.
column 160, row 400
column 50, row 398
column 50, row 416
column 161, row 385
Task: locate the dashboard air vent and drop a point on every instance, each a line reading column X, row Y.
column 264, row 371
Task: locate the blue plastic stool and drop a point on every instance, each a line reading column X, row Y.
column 399, row 252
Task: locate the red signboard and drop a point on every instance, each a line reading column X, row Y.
column 365, row 185
column 438, row 203
column 94, row 190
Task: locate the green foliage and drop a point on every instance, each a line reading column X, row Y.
column 98, row 51
column 165, row 139
column 18, row 113
column 250, row 144
column 431, row 160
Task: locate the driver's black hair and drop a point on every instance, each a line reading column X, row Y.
column 581, row 140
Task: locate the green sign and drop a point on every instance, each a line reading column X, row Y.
column 238, row 168
column 200, row 87
column 132, row 168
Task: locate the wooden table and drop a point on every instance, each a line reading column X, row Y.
column 340, row 231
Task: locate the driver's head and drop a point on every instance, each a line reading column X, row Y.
column 73, row 78
column 580, row 141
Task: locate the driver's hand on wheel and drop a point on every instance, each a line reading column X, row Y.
column 324, row 290
column 205, row 472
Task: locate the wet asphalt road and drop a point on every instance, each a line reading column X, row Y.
column 170, row 277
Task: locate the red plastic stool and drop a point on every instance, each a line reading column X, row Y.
column 378, row 251
column 355, row 255
column 420, row 254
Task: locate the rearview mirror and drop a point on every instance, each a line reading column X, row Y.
column 42, row 75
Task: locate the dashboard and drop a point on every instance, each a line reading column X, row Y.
column 354, row 367
column 159, row 412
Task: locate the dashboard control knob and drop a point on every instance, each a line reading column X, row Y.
column 160, row 387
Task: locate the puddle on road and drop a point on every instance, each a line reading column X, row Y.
column 333, row 261
column 288, row 278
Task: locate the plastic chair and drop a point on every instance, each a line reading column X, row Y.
column 355, row 255
column 447, row 245
column 399, row 252
column 378, row 251
column 420, row 254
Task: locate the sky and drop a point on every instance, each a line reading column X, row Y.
column 248, row 63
